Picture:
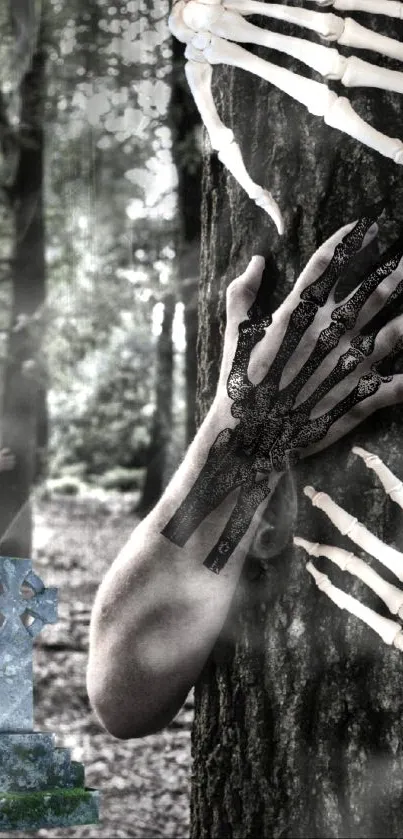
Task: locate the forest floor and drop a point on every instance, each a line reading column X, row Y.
column 144, row 784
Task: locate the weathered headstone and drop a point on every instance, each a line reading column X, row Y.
column 40, row 786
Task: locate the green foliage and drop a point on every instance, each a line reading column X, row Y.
column 109, row 231
column 100, row 421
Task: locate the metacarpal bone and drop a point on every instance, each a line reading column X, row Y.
column 350, row 526
column 209, row 28
column 346, row 32
column 324, row 60
column 329, row 26
column 352, row 71
column 317, row 98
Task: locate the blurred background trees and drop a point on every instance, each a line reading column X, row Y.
column 98, row 262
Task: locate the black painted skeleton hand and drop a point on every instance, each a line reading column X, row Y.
column 389, row 630
column 300, row 385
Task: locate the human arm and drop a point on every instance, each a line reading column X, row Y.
column 160, row 609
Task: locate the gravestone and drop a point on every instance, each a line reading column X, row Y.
column 40, row 786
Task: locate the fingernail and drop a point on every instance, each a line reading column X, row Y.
column 258, row 261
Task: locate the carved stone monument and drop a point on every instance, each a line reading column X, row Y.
column 40, row 786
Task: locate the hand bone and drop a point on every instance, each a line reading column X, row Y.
column 390, row 631
column 209, row 29
column 297, row 382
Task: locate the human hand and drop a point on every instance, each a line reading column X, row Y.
column 390, row 631
column 297, row 382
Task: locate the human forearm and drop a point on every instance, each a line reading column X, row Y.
column 158, row 611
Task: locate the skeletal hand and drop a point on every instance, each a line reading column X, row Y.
column 300, row 385
column 209, row 28
column 390, row 631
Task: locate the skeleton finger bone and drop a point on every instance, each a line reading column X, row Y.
column 391, row 595
column 346, row 31
column 344, row 318
column 359, row 402
column 314, row 296
column 390, row 631
column 363, row 232
column 199, row 74
column 319, row 276
column 391, row 484
column 351, row 71
column 317, row 98
column 367, row 352
column 389, row 393
column 311, row 298
column 380, row 292
column 208, row 27
column 350, row 526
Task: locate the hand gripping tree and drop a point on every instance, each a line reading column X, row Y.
column 275, row 428
column 298, row 724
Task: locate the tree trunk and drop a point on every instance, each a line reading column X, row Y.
column 161, row 429
column 22, row 389
column 299, row 715
column 185, row 122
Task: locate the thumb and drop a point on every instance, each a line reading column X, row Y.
column 241, row 294
column 242, row 291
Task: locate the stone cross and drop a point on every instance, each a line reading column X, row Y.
column 25, row 607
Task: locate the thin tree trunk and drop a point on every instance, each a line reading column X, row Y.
column 191, row 329
column 21, row 389
column 299, row 712
column 161, row 429
column 185, row 121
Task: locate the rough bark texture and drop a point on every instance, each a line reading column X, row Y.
column 299, row 711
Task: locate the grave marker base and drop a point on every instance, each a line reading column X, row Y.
column 40, row 786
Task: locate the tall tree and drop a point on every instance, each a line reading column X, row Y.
column 298, row 728
column 24, row 415
column 185, row 125
column 161, row 428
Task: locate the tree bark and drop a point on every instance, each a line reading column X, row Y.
column 23, row 397
column 299, row 715
column 185, row 121
column 161, row 429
